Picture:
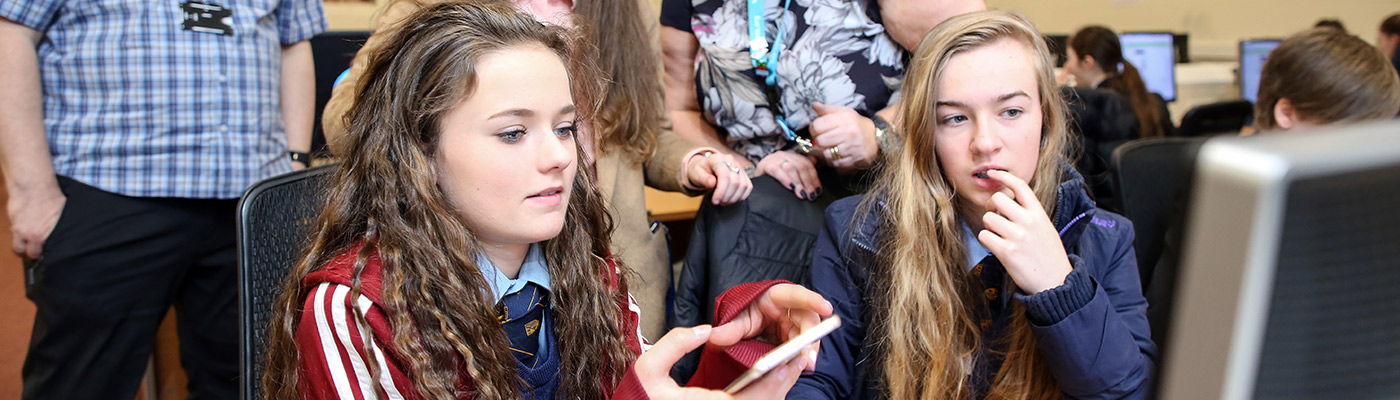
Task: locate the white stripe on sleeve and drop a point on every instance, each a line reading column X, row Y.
column 329, row 345
column 342, row 331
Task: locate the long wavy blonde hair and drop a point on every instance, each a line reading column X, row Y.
column 926, row 303
column 386, row 195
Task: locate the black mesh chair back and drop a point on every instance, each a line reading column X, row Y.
column 1154, row 177
column 1221, row 117
column 275, row 222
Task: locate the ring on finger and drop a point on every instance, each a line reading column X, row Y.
column 835, row 153
column 731, row 167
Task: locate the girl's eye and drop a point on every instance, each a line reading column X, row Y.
column 566, row 130
column 1013, row 113
column 511, row 136
column 954, row 119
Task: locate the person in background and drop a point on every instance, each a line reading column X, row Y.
column 1388, row 39
column 810, row 130
column 1323, row 76
column 978, row 267
column 463, row 252
column 631, row 143
column 1330, row 23
column 1095, row 59
column 128, row 131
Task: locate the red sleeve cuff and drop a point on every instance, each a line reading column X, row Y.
column 719, row 367
column 630, row 388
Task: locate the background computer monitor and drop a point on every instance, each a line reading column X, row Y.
column 1288, row 287
column 1059, row 45
column 1154, row 56
column 1252, row 56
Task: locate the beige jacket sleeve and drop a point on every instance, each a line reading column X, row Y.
column 343, row 96
column 665, row 168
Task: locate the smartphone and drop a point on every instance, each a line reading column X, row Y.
column 784, row 353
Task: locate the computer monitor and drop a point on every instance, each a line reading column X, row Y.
column 1290, row 281
column 1182, row 43
column 1252, row 56
column 1059, row 44
column 1153, row 55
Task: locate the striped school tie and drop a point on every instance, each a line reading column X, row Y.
column 522, row 316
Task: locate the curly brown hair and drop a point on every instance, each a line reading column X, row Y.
column 386, row 194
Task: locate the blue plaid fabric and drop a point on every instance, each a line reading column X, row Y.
column 135, row 105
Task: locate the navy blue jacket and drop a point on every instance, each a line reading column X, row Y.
column 1092, row 330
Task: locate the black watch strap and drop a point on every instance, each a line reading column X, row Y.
column 302, row 157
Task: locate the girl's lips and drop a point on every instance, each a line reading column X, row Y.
column 984, row 181
column 982, row 173
column 551, row 196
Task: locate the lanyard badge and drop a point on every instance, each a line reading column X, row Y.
column 206, row 18
column 765, row 64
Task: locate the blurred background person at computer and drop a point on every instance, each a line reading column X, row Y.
column 631, row 143
column 1320, row 76
column 1325, row 76
column 978, row 267
column 1389, row 39
column 1110, row 104
column 1330, row 23
column 1095, row 60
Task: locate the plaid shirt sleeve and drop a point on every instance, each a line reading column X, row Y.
column 299, row 20
column 36, row 14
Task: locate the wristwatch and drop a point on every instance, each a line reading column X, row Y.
column 885, row 134
column 302, row 157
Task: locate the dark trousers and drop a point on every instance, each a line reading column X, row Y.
column 109, row 271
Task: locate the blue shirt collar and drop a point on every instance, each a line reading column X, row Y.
column 975, row 251
column 533, row 270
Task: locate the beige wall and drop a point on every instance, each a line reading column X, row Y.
column 357, row 16
column 1215, row 26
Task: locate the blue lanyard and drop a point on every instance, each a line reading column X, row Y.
column 764, row 58
column 765, row 64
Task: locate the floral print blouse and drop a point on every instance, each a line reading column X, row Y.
column 834, row 52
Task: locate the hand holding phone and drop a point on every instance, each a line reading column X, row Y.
column 784, row 353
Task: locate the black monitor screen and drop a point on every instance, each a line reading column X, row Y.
column 1059, row 44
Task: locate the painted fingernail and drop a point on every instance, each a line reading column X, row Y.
column 792, row 186
column 804, row 194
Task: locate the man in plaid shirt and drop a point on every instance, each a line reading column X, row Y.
column 128, row 129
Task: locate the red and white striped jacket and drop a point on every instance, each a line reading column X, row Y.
column 331, row 341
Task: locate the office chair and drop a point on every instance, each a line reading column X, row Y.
column 1104, row 121
column 275, row 222
column 1154, row 178
column 1220, row 117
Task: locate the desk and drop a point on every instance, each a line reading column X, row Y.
column 671, row 206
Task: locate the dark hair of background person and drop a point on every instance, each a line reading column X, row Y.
column 633, row 109
column 1328, row 76
column 386, row 195
column 1330, row 23
column 1391, row 25
column 1102, row 44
